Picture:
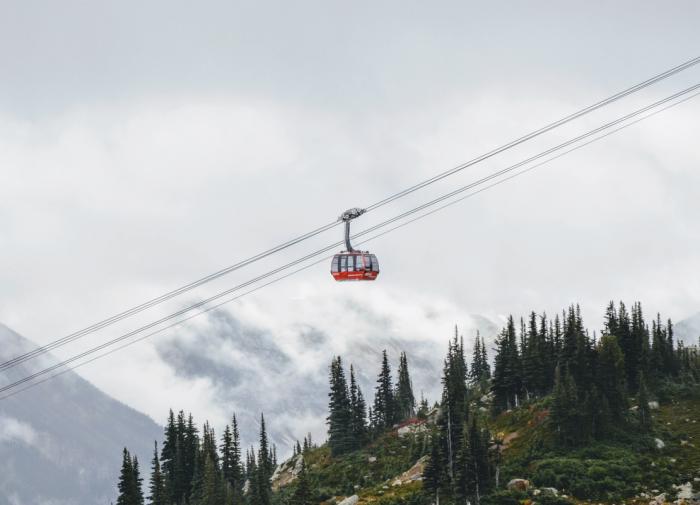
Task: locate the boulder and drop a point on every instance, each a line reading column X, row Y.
column 412, row 474
column 411, row 429
column 518, row 485
column 658, row 500
column 654, row 405
column 659, row 443
column 685, row 491
column 350, row 500
column 372, row 459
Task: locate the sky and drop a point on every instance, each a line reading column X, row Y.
column 145, row 145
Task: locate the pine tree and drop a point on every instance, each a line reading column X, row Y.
column 480, row 370
column 254, row 497
column 227, row 455
column 384, row 401
column 423, row 407
column 358, row 412
column 473, row 473
column 157, row 483
column 188, row 450
column 212, row 488
column 340, row 411
column 405, row 401
column 196, row 493
column 168, row 457
column 533, row 359
column 507, row 384
column 125, row 485
column 129, row 485
column 433, row 471
column 465, row 477
column 302, row 494
column 137, row 482
column 611, row 375
column 643, row 410
column 564, row 414
column 265, row 468
column 486, row 367
column 454, row 404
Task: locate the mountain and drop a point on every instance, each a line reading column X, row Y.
column 60, row 443
column 688, row 330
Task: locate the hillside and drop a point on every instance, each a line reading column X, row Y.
column 60, row 445
column 555, row 416
column 629, row 470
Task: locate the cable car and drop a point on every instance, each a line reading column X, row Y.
column 353, row 265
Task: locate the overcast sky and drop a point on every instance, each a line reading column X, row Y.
column 146, row 144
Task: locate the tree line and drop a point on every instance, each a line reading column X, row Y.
column 591, row 379
column 195, row 468
column 351, row 423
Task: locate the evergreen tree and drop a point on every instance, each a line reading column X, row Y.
column 423, row 407
column 507, row 383
column 168, row 458
column 125, row 481
column 533, row 359
column 611, row 375
column 486, row 367
column 302, row 494
column 384, row 402
column 340, row 416
column 358, row 412
column 643, row 410
column 262, row 482
column 188, row 450
column 157, row 484
column 454, row 405
column 212, row 486
column 480, row 370
column 137, row 482
column 227, row 455
column 196, row 494
column 433, row 472
column 129, row 485
column 405, row 401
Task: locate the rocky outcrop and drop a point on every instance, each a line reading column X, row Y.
column 350, row 500
column 412, row 474
column 412, row 428
column 519, row 485
column 287, row 472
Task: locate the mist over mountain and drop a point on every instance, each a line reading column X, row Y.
column 61, row 442
column 254, row 367
column 688, row 330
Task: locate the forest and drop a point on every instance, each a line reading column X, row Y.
column 594, row 389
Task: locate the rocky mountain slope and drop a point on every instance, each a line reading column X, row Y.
column 60, row 442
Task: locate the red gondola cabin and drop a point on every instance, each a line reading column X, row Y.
column 354, row 266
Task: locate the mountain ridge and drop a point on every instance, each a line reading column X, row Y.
column 61, row 442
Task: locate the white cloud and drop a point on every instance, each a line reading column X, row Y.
column 12, row 429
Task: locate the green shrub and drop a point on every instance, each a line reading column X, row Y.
column 503, row 498
column 548, row 499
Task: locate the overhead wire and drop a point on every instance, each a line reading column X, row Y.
column 359, row 234
column 538, row 132
column 206, row 279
